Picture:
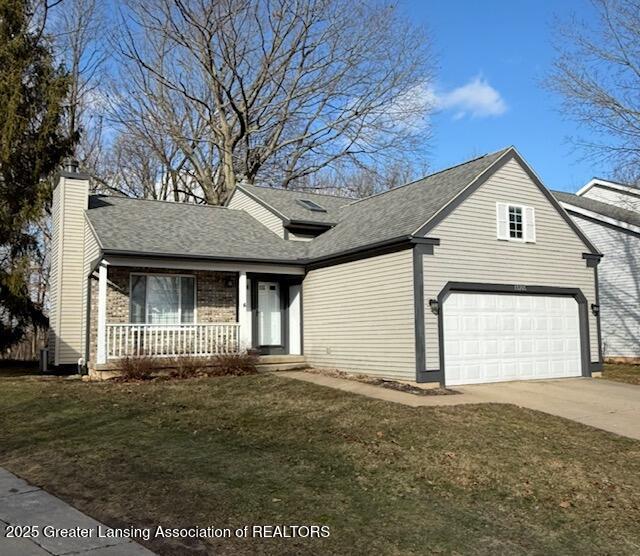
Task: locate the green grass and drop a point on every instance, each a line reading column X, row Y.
column 622, row 373
column 387, row 479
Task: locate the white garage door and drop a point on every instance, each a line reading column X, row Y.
column 498, row 337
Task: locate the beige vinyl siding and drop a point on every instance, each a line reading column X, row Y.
column 53, row 275
column 91, row 253
column 614, row 197
column 470, row 252
column 241, row 201
column 70, row 271
column 359, row 316
column 619, row 284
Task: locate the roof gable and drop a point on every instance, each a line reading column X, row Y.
column 508, row 155
column 398, row 212
column 622, row 188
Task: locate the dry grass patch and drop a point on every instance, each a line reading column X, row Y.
column 387, row 479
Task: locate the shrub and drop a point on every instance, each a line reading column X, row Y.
column 137, row 368
column 186, row 367
column 143, row 368
column 233, row 364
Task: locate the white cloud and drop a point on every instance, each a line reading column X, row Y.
column 410, row 110
column 477, row 99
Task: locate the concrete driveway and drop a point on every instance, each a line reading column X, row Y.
column 612, row 406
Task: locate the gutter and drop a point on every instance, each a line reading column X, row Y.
column 370, row 250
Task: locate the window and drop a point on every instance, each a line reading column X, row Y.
column 306, row 203
column 162, row 299
column 515, row 222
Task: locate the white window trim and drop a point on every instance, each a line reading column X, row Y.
column 523, row 209
column 146, row 312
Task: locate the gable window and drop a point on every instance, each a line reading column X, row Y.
column 306, row 203
column 162, row 299
column 515, row 222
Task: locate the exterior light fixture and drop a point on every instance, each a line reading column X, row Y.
column 434, row 306
column 595, row 309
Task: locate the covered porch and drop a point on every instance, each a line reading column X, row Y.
column 180, row 308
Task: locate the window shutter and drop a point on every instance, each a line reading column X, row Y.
column 529, row 225
column 502, row 220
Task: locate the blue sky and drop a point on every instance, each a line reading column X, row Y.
column 492, row 55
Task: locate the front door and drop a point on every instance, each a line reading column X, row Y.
column 270, row 317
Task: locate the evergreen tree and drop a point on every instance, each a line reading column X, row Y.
column 32, row 145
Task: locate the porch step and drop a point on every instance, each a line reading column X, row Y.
column 268, row 359
column 268, row 363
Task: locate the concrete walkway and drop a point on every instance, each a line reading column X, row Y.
column 380, row 392
column 22, row 504
column 607, row 405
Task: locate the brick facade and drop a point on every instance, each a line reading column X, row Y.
column 216, row 298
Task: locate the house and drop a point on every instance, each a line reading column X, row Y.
column 609, row 214
column 472, row 274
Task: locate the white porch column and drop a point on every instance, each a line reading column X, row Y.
column 101, row 356
column 244, row 317
column 295, row 330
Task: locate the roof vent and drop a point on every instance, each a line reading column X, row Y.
column 315, row 207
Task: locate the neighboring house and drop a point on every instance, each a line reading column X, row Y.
column 472, row 274
column 609, row 214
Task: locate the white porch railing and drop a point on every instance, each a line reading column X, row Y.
column 171, row 340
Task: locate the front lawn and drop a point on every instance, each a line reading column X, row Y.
column 386, row 479
column 622, row 373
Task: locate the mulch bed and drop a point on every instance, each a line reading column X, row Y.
column 385, row 383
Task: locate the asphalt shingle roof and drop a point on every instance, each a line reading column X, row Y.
column 187, row 230
column 605, row 209
column 400, row 211
column 165, row 228
column 286, row 203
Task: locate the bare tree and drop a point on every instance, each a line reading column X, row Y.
column 363, row 181
column 274, row 90
column 79, row 28
column 150, row 171
column 597, row 74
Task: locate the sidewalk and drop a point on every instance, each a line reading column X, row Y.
column 27, row 505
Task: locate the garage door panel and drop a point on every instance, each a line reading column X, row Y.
column 498, row 337
column 526, row 346
column 490, row 348
column 508, row 346
column 525, row 323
